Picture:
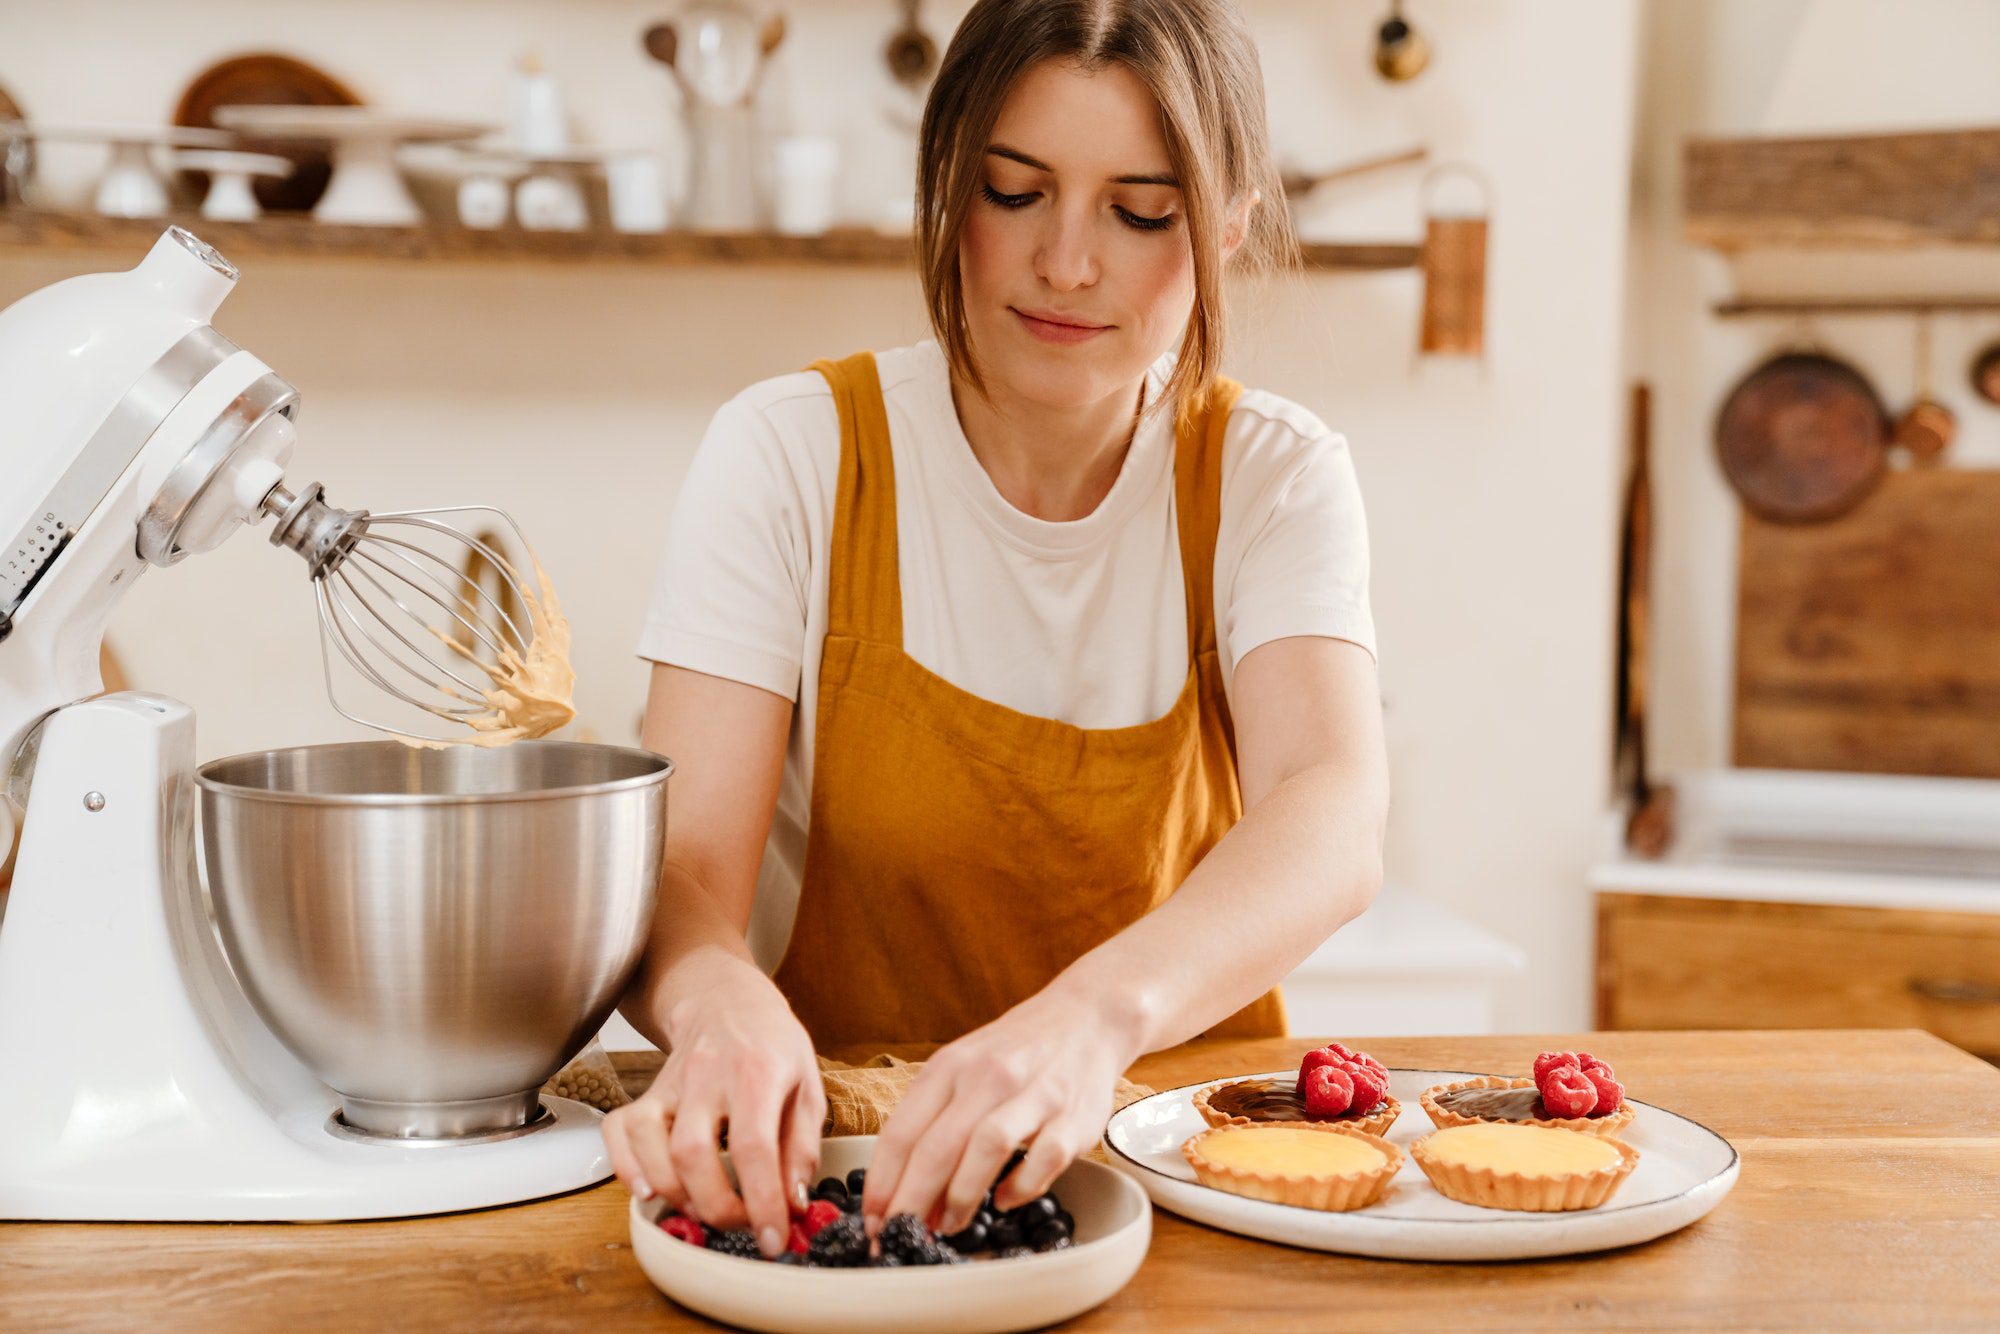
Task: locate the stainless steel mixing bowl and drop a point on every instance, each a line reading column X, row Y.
column 434, row 932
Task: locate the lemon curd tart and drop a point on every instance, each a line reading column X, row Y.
column 1312, row 1165
column 1538, row 1169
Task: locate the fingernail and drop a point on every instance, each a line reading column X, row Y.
column 871, row 1224
column 642, row 1188
column 799, row 1198
column 770, row 1241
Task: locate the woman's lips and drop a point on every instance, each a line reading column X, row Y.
column 1053, row 331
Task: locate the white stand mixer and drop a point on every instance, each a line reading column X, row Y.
column 143, row 1082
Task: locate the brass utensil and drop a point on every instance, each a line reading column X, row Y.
column 1927, row 427
column 911, row 54
column 1401, row 52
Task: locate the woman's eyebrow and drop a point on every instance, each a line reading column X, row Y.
column 1145, row 178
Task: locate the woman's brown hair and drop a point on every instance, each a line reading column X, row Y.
column 1198, row 60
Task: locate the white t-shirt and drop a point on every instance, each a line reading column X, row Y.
column 1084, row 621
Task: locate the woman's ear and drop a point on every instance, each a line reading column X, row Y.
column 1237, row 229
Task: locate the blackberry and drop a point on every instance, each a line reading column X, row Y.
column 886, row 1262
column 741, row 1243
column 1015, row 1253
column 906, row 1236
column 790, row 1258
column 841, row 1244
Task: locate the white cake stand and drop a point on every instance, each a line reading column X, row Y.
column 230, row 198
column 130, row 187
column 366, row 188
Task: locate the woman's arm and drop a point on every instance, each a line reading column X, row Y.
column 736, row 1052
column 1305, row 859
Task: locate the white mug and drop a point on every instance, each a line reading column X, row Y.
column 807, row 179
column 638, row 191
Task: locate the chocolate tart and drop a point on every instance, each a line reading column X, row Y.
column 1534, row 1168
column 1491, row 1100
column 1275, row 1102
column 1287, row 1163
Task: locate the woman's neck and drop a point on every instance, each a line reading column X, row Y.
column 1055, row 464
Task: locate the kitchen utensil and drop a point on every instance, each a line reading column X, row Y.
column 267, row 79
column 1454, row 265
column 636, row 184
column 230, row 197
column 366, row 189
column 17, row 154
column 662, row 43
column 1985, row 374
column 1871, row 645
column 1401, row 52
column 1300, row 183
column 1114, row 1225
column 718, row 54
column 435, row 930
column 1649, row 821
column 1685, row 1169
column 911, row 53
column 1802, row 438
column 1927, row 427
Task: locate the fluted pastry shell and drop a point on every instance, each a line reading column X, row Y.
column 1376, row 1122
column 1497, row 1188
column 1328, row 1192
column 1443, row 1117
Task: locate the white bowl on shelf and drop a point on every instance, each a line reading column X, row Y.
column 1114, row 1225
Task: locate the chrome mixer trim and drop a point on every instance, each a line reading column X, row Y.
column 98, row 465
column 161, row 524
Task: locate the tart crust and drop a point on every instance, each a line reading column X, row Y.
column 1376, row 1122
column 1492, row 1188
column 1444, row 1118
column 1327, row 1192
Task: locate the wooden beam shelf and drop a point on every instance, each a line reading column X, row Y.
column 1937, row 188
column 33, row 230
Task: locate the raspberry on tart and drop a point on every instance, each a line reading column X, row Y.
column 1367, row 1106
column 1570, row 1091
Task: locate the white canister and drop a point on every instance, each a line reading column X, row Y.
column 483, row 200
column 551, row 201
column 806, row 177
column 637, row 183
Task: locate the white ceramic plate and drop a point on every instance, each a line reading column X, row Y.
column 1114, row 1223
column 1685, row 1169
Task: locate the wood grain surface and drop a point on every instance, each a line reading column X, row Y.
column 1870, row 1197
column 292, row 236
column 1930, row 188
column 1872, row 643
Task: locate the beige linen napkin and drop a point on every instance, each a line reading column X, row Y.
column 859, row 1098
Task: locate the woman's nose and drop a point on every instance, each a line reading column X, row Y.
column 1067, row 256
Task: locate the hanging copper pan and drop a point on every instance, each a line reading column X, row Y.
column 1802, row 438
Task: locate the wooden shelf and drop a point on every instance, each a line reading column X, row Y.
column 301, row 238
column 1939, row 188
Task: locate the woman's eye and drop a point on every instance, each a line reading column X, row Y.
column 1005, row 201
column 1144, row 223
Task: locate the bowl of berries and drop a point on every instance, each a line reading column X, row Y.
column 1054, row 1257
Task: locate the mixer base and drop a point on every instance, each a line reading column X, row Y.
column 146, row 1088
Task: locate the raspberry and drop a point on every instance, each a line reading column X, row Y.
column 685, row 1229
column 1348, row 1054
column 1370, row 1087
column 1586, row 1063
column 1329, row 1090
column 1548, row 1060
column 1610, row 1093
column 1567, row 1091
column 799, row 1239
column 1314, row 1059
column 818, row 1214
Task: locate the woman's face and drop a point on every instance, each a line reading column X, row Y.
column 1075, row 258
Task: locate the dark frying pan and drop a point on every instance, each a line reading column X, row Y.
column 1802, row 438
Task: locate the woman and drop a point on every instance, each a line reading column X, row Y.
column 1021, row 683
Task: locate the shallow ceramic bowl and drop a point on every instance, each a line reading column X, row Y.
column 1114, row 1224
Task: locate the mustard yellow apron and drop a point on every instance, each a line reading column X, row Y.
column 961, row 854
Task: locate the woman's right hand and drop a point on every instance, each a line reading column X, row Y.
column 739, row 1059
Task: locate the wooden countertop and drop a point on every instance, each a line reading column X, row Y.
column 1870, row 1196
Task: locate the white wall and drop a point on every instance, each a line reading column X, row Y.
column 1781, row 67
column 573, row 395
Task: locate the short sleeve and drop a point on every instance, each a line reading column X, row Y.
column 730, row 596
column 1293, row 555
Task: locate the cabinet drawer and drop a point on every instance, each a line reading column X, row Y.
column 1712, row 963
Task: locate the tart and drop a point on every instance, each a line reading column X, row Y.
column 1277, row 1101
column 1309, row 1164
column 1490, row 1100
column 1534, row 1168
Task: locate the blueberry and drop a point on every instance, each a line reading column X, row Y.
column 1048, row 1234
column 1036, row 1212
column 1004, row 1235
column 832, row 1189
column 857, row 1180
column 971, row 1240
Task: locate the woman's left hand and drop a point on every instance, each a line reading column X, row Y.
column 1041, row 1074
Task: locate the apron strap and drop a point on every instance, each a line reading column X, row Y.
column 864, row 588
column 1198, row 507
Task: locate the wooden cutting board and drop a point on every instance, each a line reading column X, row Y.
column 1872, row 643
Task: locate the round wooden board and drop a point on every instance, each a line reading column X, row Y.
column 266, row 79
column 1802, row 438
